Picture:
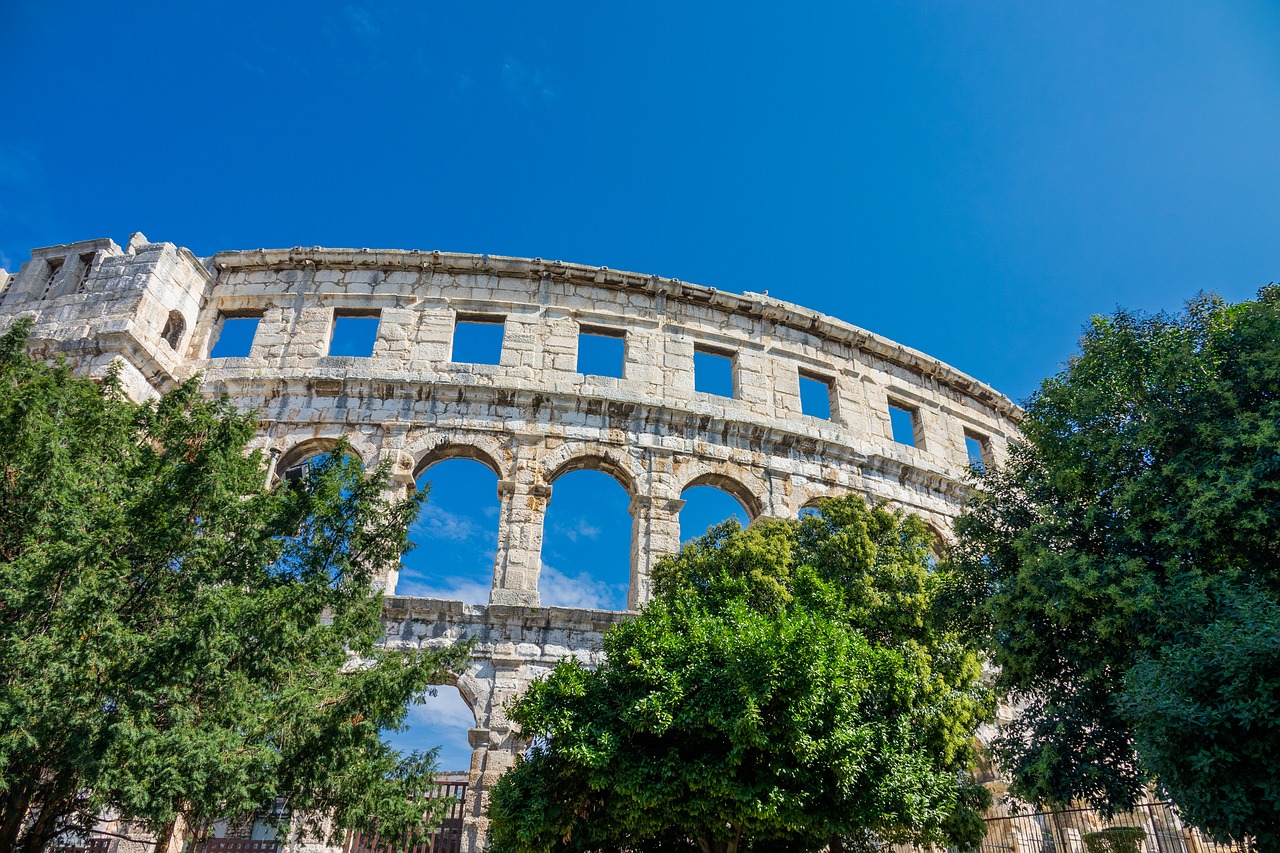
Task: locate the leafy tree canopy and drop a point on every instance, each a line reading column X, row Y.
column 176, row 639
column 1126, row 562
column 791, row 686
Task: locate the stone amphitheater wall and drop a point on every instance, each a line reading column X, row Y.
column 532, row 417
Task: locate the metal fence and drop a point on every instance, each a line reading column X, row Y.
column 446, row 838
column 1063, row 831
column 237, row 845
column 93, row 845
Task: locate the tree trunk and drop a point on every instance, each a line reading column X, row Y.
column 836, row 845
column 12, row 814
column 165, row 836
column 45, row 827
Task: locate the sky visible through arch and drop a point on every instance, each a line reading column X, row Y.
column 973, row 180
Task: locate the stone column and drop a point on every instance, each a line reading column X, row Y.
column 494, row 742
column 399, row 486
column 655, row 532
column 523, row 508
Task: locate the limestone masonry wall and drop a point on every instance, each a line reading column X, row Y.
column 531, row 417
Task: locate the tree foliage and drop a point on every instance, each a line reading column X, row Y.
column 791, row 686
column 176, row 639
column 1126, row 563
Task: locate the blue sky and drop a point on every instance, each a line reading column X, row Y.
column 972, row 179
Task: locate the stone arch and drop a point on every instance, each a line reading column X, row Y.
column 484, row 450
column 606, row 460
column 810, row 499
column 940, row 540
column 751, row 503
column 590, row 508
column 307, row 448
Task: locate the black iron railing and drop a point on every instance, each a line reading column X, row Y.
column 1064, row 831
column 445, row 838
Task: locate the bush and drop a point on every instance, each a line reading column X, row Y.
column 1115, row 839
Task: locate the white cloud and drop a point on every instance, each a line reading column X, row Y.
column 556, row 589
column 440, row 721
column 446, row 709
column 582, row 530
column 448, row 589
column 437, row 523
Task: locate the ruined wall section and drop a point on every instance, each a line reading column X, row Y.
column 95, row 303
column 532, row 416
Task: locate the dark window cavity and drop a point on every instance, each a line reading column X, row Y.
column 86, row 267
column 174, row 328
column 713, row 372
column 477, row 340
column 905, row 423
column 235, row 336
column 815, row 395
column 354, row 333
column 51, row 276
column 601, row 352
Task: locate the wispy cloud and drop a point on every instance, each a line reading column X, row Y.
column 527, row 86
column 445, row 709
column 441, row 721
column 557, row 589
column 361, row 21
column 582, row 529
column 435, row 522
column 467, row 590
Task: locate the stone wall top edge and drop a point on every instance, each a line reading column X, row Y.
column 748, row 303
column 414, row 608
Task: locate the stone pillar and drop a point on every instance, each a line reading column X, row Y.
column 494, row 743
column 398, row 488
column 655, row 532
column 523, row 508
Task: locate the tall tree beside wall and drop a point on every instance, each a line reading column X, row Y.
column 1126, row 563
column 177, row 640
column 792, row 687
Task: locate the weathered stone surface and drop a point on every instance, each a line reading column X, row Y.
column 531, row 417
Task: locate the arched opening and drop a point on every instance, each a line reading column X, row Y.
column 455, row 534
column 706, row 505
column 440, row 718
column 174, row 328
column 294, row 466
column 586, row 543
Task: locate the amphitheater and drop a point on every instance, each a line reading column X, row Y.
column 530, row 417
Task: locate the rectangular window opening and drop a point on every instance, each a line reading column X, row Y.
column 978, row 449
column 86, row 267
column 354, row 333
column 477, row 340
column 235, row 335
column 905, row 423
column 815, row 395
column 601, row 352
column 55, row 267
column 713, row 372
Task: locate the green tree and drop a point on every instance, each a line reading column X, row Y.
column 1126, row 562
column 791, row 686
column 178, row 640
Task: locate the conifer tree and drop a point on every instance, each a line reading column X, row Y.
column 177, row 640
